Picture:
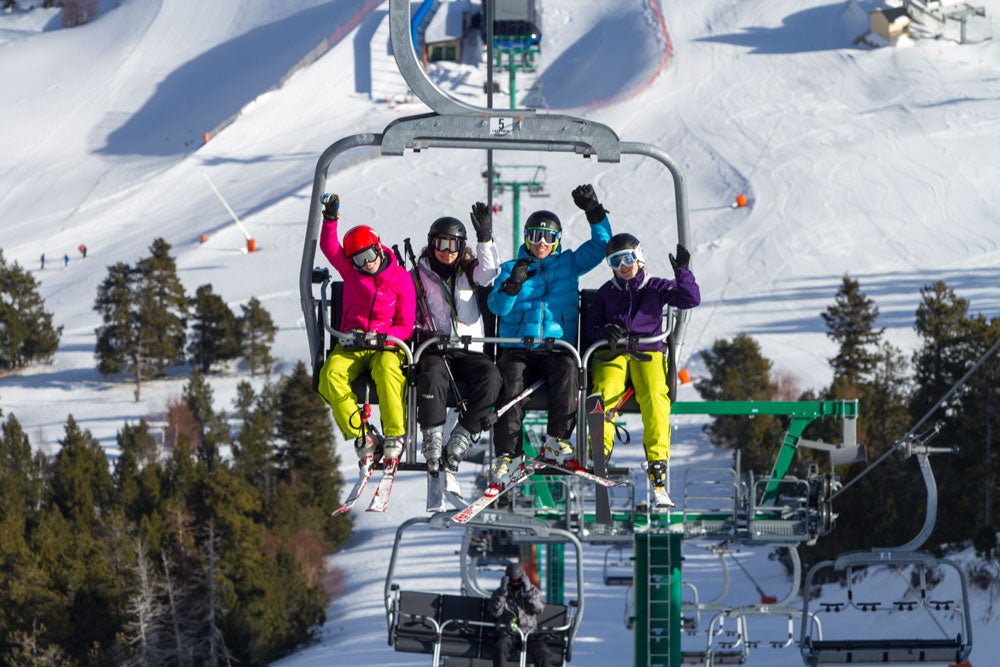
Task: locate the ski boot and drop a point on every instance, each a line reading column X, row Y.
column 458, row 445
column 505, row 467
column 431, row 450
column 560, row 451
column 393, row 447
column 369, row 443
column 658, row 483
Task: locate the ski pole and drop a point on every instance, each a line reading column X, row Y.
column 612, row 414
column 428, row 316
column 493, row 418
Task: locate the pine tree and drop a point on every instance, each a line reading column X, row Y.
column 253, row 448
column 944, row 354
column 308, row 461
column 81, row 485
column 217, row 335
column 26, row 331
column 850, row 322
column 138, row 480
column 117, row 347
column 953, row 342
column 80, row 544
column 738, row 371
column 24, row 586
column 214, row 432
column 162, row 308
column 258, row 336
column 143, row 310
column 20, row 484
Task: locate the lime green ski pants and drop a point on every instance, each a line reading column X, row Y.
column 343, row 366
column 649, row 378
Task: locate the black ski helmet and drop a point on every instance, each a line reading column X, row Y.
column 622, row 242
column 447, row 226
column 543, row 220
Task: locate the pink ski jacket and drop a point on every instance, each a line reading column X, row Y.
column 382, row 303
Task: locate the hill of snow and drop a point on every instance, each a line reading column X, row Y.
column 880, row 164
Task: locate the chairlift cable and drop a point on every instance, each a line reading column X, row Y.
column 909, row 434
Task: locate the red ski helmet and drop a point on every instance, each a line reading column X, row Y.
column 360, row 238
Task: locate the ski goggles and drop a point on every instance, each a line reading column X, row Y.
column 447, row 243
column 541, row 235
column 626, row 257
column 369, row 254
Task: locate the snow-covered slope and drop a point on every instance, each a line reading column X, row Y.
column 880, row 164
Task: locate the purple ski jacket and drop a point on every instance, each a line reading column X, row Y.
column 382, row 303
column 637, row 304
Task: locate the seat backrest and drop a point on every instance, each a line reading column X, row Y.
column 554, row 615
column 457, row 638
column 415, row 634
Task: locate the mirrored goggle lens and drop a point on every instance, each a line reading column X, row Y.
column 538, row 235
column 628, row 258
column 446, row 243
column 369, row 254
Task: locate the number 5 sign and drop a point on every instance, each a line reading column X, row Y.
column 501, row 126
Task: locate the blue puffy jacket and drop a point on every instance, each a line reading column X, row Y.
column 548, row 304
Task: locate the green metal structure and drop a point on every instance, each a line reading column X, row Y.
column 513, row 57
column 517, row 177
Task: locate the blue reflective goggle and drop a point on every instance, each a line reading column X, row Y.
column 541, row 235
column 369, row 254
column 626, row 257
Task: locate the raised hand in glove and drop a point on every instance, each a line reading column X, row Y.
column 682, row 260
column 518, row 275
column 482, row 222
column 613, row 333
column 586, row 199
column 331, row 206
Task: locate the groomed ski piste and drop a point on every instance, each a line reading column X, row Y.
column 873, row 163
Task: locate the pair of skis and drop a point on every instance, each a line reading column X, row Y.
column 495, row 490
column 380, row 501
column 437, row 489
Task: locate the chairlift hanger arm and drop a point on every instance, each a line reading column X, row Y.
column 548, row 133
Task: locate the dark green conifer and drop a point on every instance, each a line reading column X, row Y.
column 738, row 371
column 216, row 333
column 26, row 331
column 162, row 308
column 258, row 336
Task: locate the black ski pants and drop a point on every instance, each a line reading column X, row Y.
column 520, row 368
column 506, row 641
column 478, row 383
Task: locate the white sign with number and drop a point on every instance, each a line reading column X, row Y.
column 501, row 126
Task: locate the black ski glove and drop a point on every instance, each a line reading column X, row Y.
column 482, row 222
column 682, row 259
column 613, row 333
column 518, row 275
column 331, row 206
column 585, row 198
